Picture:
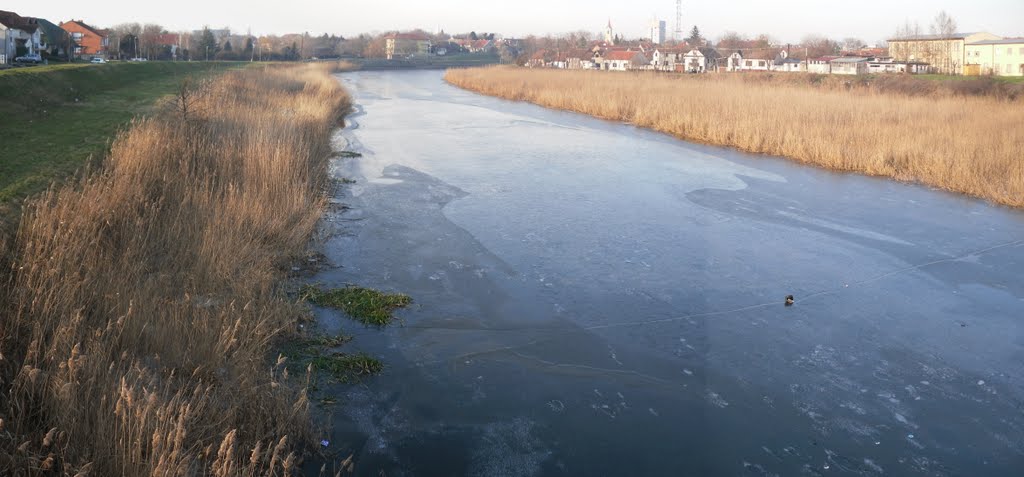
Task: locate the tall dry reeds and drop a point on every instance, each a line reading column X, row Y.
column 143, row 300
column 971, row 145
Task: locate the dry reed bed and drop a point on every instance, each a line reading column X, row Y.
column 971, row 145
column 144, row 299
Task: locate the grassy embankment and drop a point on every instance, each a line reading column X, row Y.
column 960, row 136
column 53, row 118
column 144, row 299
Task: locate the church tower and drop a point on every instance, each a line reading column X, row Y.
column 609, row 34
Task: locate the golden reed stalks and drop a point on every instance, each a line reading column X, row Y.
column 971, row 145
column 143, row 300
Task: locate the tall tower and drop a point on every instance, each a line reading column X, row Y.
column 658, row 32
column 609, row 34
column 679, row 20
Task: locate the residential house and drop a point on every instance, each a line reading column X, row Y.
column 821, row 65
column 694, row 62
column 849, row 65
column 622, row 61
column 995, row 57
column 480, row 46
column 54, row 40
column 784, row 63
column 758, row 61
column 946, row 53
column 580, row 59
column 18, row 36
column 540, row 59
column 734, row 62
column 90, row 41
column 402, row 45
column 666, row 59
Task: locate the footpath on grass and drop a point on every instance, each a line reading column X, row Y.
column 53, row 118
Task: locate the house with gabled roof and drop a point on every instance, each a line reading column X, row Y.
column 622, row 60
column 90, row 41
column 666, row 58
column 18, row 36
column 784, row 63
column 694, row 62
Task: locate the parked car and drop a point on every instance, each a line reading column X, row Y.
column 97, row 60
column 137, row 59
column 33, row 58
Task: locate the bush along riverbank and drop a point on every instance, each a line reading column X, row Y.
column 143, row 302
column 945, row 137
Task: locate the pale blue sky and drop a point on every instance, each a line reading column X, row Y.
column 787, row 21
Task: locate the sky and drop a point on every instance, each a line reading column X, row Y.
column 786, row 21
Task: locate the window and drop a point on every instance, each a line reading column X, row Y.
column 1009, row 51
column 77, row 35
column 1008, row 70
column 1020, row 52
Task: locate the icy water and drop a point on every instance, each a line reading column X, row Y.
column 596, row 299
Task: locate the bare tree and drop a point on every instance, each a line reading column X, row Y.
column 944, row 26
column 730, row 41
column 818, row 45
column 907, row 30
column 149, row 39
column 852, row 44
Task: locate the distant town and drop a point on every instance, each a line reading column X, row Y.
column 943, row 50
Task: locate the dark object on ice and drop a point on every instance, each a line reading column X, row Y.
column 789, row 300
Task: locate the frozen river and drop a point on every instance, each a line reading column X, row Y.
column 596, row 299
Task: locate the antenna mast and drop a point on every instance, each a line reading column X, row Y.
column 679, row 20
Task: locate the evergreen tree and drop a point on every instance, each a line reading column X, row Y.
column 695, row 40
column 207, row 45
column 227, row 46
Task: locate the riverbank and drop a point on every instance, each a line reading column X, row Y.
column 55, row 117
column 144, row 299
column 965, row 144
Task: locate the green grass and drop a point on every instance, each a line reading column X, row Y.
column 316, row 352
column 370, row 307
column 56, row 117
column 348, row 367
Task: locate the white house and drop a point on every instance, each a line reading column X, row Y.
column 734, row 62
column 666, row 59
column 622, row 61
column 18, row 32
column 821, row 65
column 694, row 61
column 849, row 65
column 785, row 64
column 755, row 64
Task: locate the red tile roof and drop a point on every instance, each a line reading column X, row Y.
column 621, row 55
